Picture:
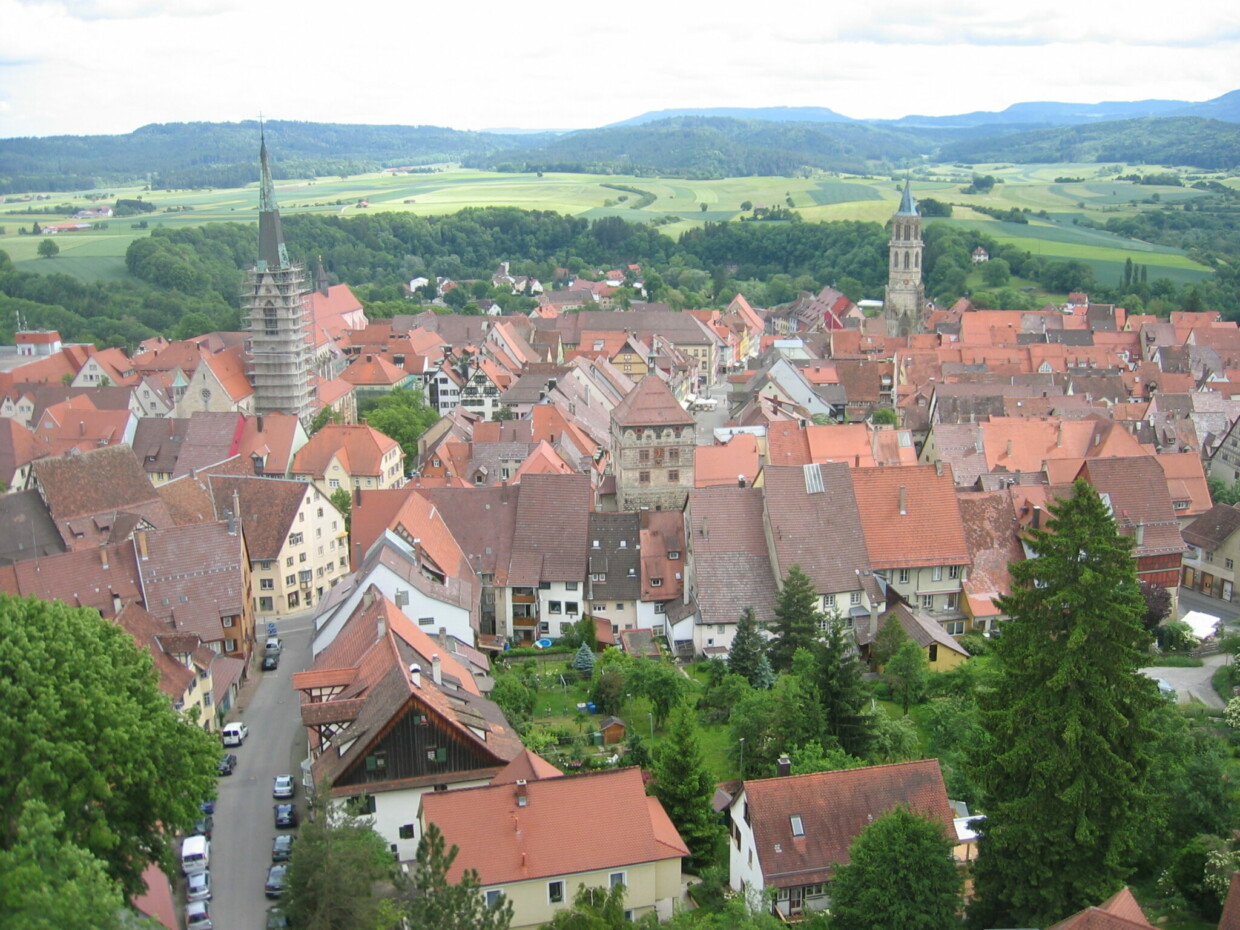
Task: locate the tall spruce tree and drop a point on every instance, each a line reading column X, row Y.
column 747, row 656
column 796, row 623
column 684, row 787
column 1068, row 735
column 842, row 690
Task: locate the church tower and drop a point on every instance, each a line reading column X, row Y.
column 904, row 307
column 279, row 347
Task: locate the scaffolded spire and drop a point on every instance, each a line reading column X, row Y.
column 272, row 255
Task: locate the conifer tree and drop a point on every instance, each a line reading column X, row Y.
column 796, row 620
column 684, row 787
column 842, row 691
column 1068, row 735
column 747, row 656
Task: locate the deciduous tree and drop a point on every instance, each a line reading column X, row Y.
column 87, row 731
column 1069, row 741
column 899, row 874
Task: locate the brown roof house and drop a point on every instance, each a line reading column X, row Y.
column 791, row 833
column 390, row 715
column 182, row 661
column 1213, row 550
column 614, row 586
column 535, row 841
column 1119, row 912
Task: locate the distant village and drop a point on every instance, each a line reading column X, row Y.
column 652, row 472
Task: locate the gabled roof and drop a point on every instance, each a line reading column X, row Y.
column 556, row 830
column 732, row 567
column 1213, row 528
column 809, row 505
column 993, row 534
column 727, row 463
column 617, row 557
column 1137, row 490
column 549, row 541
column 29, row 531
column 910, row 516
column 1120, row 912
column 919, row 627
column 359, row 449
column 268, row 508
column 146, row 629
column 834, row 807
column 651, row 403
column 17, row 449
column 483, row 522
column 662, row 534
column 194, row 576
column 95, row 578
column 527, row 765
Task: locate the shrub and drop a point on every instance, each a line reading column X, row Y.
column 1175, row 636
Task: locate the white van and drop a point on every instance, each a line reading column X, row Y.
column 195, row 854
column 234, row 734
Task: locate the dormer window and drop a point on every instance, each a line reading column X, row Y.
column 673, row 555
column 656, row 582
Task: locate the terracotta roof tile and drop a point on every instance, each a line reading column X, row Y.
column 727, row 463
column 834, row 808
column 651, row 403
column 268, row 508
column 928, row 532
column 359, row 449
column 556, row 831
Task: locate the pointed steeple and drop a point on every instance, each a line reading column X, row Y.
column 908, row 206
column 321, row 283
column 272, row 254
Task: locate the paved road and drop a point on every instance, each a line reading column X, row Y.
column 708, row 420
column 1192, row 682
column 1195, row 600
column 241, row 846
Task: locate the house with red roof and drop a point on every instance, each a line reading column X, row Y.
column 391, row 716
column 342, row 456
column 1122, row 912
column 789, row 834
column 534, row 841
column 219, row 384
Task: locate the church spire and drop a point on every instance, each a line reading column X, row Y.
column 272, row 254
column 908, row 206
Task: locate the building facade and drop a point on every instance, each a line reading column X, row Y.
column 906, row 294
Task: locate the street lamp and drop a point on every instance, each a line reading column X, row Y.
column 742, row 742
column 651, row 716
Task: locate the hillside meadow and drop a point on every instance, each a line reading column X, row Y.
column 1054, row 206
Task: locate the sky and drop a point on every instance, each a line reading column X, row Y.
column 109, row 66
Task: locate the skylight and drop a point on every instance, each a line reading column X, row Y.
column 798, row 827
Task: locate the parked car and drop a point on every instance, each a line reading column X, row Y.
column 276, row 919
column 228, row 762
column 275, row 881
column 273, row 644
column 197, row 916
column 207, row 806
column 271, row 662
column 234, row 734
column 282, row 847
column 198, row 886
column 286, row 815
column 203, row 825
column 284, row 787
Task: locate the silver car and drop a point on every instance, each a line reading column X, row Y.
column 197, row 916
column 198, row 886
column 284, row 787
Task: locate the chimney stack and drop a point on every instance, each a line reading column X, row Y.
column 740, row 481
column 436, row 669
column 368, row 597
column 260, row 422
column 1008, row 453
column 784, row 765
column 415, row 675
column 443, row 637
column 903, row 501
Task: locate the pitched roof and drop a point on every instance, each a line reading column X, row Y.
column 919, row 627
column 1120, row 912
column 834, row 808
column 358, row 448
column 732, row 568
column 651, row 403
column 146, row 629
column 728, row 462
column 804, row 507
column 194, row 576
column 96, row 578
column 526, row 765
column 910, row 516
column 1214, row 527
column 17, row 449
column 29, row 531
column 1231, row 908
column 268, row 508
column 1140, row 502
column 616, row 557
column 993, row 534
column 556, row 831
column 552, row 520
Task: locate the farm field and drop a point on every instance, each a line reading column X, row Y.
column 681, row 204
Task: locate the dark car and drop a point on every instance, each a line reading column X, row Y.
column 208, row 806
column 228, row 762
column 286, row 815
column 203, row 826
column 271, row 662
column 275, row 881
column 282, row 847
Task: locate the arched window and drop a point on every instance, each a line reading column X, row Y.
column 906, row 261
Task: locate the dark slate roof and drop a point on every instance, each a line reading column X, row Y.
column 617, row 556
column 29, row 531
column 807, row 505
column 732, row 568
column 1210, row 530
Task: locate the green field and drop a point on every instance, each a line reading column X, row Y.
column 99, row 254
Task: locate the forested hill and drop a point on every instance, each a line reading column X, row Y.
column 1185, row 140
column 718, row 147
column 175, row 155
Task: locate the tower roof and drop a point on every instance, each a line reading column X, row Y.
column 651, row 403
column 908, row 206
column 272, row 255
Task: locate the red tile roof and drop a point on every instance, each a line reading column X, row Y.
column 727, row 463
column 651, row 403
column 556, row 832
column 929, row 531
column 834, row 808
column 359, row 449
column 1120, row 912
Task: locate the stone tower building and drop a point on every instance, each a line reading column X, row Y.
column 905, row 304
column 652, row 443
column 279, row 344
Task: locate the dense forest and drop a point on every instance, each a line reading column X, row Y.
column 1201, row 143
column 718, row 147
column 205, row 155
column 187, row 281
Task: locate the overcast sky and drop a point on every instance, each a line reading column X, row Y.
column 110, row 66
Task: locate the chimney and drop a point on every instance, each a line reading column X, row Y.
column 938, row 468
column 415, row 675
column 443, row 637
column 1140, row 534
column 140, row 536
column 436, row 669
column 117, row 606
column 368, row 597
column 784, row 765
column 236, row 513
column 1059, row 435
column 103, row 556
column 873, row 620
column 740, row 481
column 380, row 627
column 357, row 496
column 260, row 422
column 523, row 797
column 903, row 501
column 1037, row 517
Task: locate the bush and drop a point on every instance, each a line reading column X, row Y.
column 1175, row 636
column 1178, row 662
column 975, row 644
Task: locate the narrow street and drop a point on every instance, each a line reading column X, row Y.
column 244, row 827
